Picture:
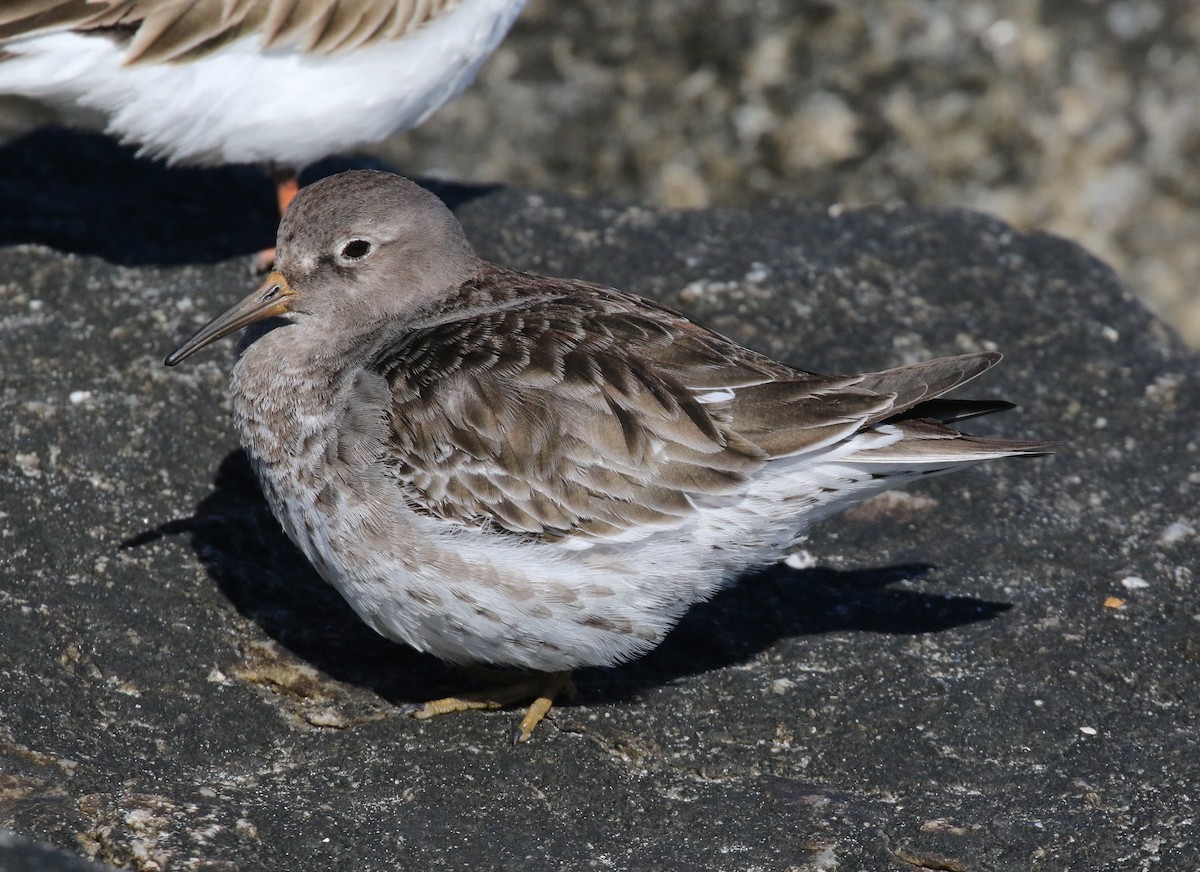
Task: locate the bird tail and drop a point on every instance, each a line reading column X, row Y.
column 917, row 428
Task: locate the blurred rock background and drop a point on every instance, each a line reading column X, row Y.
column 1081, row 117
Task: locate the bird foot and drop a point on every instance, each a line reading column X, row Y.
column 542, row 688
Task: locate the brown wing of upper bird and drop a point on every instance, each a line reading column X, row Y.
column 163, row 31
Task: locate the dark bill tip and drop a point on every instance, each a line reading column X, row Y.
column 273, row 297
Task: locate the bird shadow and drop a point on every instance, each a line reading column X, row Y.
column 86, row 194
column 269, row 581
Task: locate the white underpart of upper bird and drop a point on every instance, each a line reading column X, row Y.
column 243, row 104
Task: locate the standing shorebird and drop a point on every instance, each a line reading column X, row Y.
column 281, row 83
column 533, row 472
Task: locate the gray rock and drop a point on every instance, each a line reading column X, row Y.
column 943, row 685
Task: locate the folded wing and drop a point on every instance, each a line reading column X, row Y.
column 601, row 416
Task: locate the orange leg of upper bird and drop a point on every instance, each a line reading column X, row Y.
column 286, row 187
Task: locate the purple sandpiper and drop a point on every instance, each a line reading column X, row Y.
column 540, row 473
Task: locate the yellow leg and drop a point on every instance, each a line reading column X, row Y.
column 542, row 688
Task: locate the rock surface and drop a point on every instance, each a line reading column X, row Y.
column 940, row 683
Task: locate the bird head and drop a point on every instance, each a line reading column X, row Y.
column 353, row 250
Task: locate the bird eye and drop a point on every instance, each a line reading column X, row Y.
column 356, row 249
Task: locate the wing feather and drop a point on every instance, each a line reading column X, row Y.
column 565, row 410
column 553, row 418
column 169, row 31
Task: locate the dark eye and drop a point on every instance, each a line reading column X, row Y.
column 356, row 249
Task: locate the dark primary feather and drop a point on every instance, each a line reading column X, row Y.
column 918, row 382
column 556, row 408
